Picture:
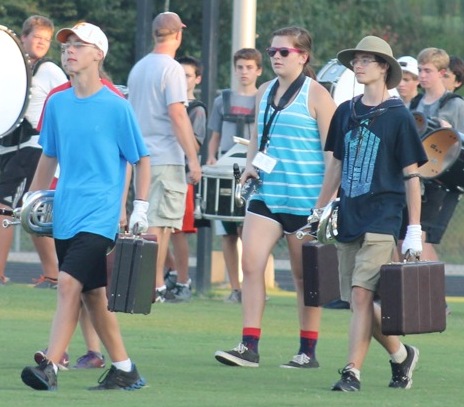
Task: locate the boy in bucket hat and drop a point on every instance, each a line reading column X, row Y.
column 92, row 134
column 376, row 154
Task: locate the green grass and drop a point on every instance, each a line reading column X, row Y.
column 174, row 346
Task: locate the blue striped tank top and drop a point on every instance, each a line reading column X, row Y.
column 295, row 183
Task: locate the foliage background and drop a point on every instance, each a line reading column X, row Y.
column 408, row 25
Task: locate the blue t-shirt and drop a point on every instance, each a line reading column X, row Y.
column 92, row 138
column 374, row 149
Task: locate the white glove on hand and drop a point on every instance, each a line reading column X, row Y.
column 413, row 241
column 138, row 218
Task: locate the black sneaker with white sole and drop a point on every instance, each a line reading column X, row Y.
column 348, row 381
column 239, row 356
column 41, row 377
column 301, row 361
column 402, row 372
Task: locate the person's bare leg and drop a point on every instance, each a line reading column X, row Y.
column 66, row 316
column 105, row 323
column 181, row 254
column 45, row 247
column 92, row 341
column 231, row 259
column 6, row 239
column 163, row 236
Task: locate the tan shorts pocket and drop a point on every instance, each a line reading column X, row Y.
column 172, row 205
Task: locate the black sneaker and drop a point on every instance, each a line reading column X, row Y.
column 116, row 379
column 348, row 381
column 402, row 372
column 301, row 361
column 239, row 356
column 41, row 377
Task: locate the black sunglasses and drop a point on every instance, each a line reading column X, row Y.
column 284, row 51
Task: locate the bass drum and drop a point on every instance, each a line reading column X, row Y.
column 341, row 82
column 15, row 82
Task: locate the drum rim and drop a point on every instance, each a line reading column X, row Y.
column 28, row 67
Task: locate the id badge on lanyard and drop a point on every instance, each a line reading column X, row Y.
column 264, row 162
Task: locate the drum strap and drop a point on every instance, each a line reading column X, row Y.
column 292, row 90
column 239, row 119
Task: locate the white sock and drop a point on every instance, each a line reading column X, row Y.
column 55, row 368
column 125, row 365
column 400, row 355
column 356, row 372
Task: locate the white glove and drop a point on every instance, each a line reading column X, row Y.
column 412, row 243
column 138, row 218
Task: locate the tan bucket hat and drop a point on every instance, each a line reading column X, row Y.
column 377, row 46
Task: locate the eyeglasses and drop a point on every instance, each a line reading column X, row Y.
column 363, row 61
column 76, row 45
column 40, row 38
column 283, row 51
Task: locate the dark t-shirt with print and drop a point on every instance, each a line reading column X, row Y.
column 374, row 145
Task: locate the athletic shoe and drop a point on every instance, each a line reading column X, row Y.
column 301, row 361
column 45, row 282
column 42, row 377
column 182, row 293
column 4, row 280
column 91, row 360
column 239, row 356
column 162, row 295
column 170, row 279
column 337, row 304
column 348, row 381
column 402, row 372
column 62, row 364
column 235, row 297
column 116, row 379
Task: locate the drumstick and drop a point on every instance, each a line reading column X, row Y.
column 241, row 140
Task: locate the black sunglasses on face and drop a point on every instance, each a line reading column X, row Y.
column 283, row 51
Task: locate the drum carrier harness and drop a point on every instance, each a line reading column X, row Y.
column 239, row 119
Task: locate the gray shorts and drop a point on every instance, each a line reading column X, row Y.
column 360, row 261
column 168, row 190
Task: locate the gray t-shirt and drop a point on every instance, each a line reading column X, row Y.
column 240, row 105
column 155, row 82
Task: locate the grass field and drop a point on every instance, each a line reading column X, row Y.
column 173, row 348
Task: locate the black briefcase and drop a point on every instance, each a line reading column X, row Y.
column 412, row 298
column 320, row 274
column 133, row 275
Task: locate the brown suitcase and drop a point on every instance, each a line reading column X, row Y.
column 413, row 298
column 320, row 274
column 133, row 275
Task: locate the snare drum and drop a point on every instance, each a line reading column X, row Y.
column 341, row 82
column 15, row 82
column 217, row 193
column 444, row 148
column 425, row 125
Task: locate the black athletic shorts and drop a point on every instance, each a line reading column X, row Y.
column 290, row 223
column 437, row 209
column 84, row 257
column 17, row 169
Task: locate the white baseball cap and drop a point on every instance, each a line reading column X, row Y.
column 86, row 32
column 409, row 64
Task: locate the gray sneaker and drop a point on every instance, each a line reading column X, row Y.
column 301, row 361
column 182, row 293
column 116, row 379
column 239, row 356
column 41, row 377
column 235, row 297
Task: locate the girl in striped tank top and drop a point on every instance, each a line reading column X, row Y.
column 293, row 117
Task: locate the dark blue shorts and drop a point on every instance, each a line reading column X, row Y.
column 84, row 257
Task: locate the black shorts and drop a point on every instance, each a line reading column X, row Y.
column 437, row 209
column 290, row 223
column 84, row 257
column 17, row 169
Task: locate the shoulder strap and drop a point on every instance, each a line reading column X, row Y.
column 446, row 98
column 196, row 103
column 38, row 63
column 226, row 95
column 415, row 101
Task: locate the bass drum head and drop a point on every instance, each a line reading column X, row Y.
column 15, row 81
column 341, row 82
column 443, row 148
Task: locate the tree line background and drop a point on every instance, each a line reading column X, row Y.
column 408, row 25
